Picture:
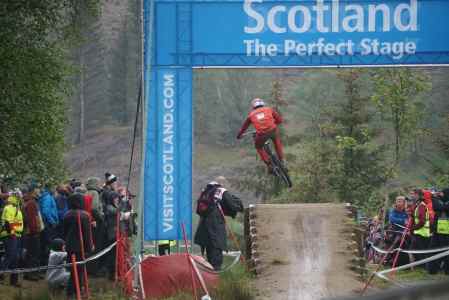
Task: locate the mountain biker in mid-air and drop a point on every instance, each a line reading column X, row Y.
column 265, row 120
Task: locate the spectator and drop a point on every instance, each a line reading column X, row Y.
column 420, row 227
column 110, row 185
column 62, row 206
column 440, row 231
column 110, row 182
column 126, row 226
column 57, row 278
column 164, row 247
column 49, row 214
column 11, row 232
column 211, row 231
column 33, row 227
column 398, row 221
column 87, row 200
column 374, row 238
column 398, row 215
column 94, row 191
column 112, row 214
column 98, row 225
column 61, row 201
column 74, row 183
column 77, row 231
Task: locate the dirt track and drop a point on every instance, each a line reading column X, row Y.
column 302, row 252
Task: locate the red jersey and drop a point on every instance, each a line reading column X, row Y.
column 264, row 119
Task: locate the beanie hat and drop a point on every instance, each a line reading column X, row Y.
column 92, row 182
column 110, row 178
column 80, row 190
column 75, row 183
column 57, row 244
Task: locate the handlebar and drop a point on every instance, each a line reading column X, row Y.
column 252, row 132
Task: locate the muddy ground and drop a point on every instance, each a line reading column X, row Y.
column 302, row 254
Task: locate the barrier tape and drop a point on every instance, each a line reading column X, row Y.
column 44, row 268
column 409, row 251
column 400, row 226
column 236, row 255
column 381, row 274
column 394, row 231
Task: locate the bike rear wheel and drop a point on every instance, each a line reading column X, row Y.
column 282, row 172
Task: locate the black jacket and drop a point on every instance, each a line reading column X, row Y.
column 110, row 215
column 211, row 229
column 72, row 228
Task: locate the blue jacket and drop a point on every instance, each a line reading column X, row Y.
column 397, row 217
column 62, row 206
column 49, row 211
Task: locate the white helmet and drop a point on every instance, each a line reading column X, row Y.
column 257, row 102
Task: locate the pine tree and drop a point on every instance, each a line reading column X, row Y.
column 361, row 167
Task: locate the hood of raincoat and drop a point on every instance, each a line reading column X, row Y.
column 75, row 201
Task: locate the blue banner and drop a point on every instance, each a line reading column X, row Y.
column 302, row 33
column 169, row 155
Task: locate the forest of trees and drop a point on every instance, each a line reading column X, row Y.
column 34, row 85
column 108, row 62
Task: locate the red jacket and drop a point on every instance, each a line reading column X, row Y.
column 264, row 119
column 427, row 195
column 88, row 205
column 31, row 217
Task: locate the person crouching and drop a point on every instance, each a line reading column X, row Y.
column 57, row 278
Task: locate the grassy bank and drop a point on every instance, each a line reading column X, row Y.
column 234, row 285
column 100, row 289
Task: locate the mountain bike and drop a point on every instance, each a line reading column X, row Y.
column 279, row 169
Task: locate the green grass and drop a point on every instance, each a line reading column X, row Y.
column 100, row 289
column 235, row 285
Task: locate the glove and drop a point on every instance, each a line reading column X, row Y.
column 239, row 136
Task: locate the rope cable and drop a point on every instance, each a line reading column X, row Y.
column 136, row 120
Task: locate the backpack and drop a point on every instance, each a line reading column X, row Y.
column 208, row 200
column 231, row 205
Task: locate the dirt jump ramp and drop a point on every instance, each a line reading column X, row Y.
column 302, row 252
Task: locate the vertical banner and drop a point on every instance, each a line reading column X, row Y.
column 168, row 180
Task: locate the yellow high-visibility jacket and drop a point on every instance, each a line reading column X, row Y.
column 14, row 217
column 171, row 243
